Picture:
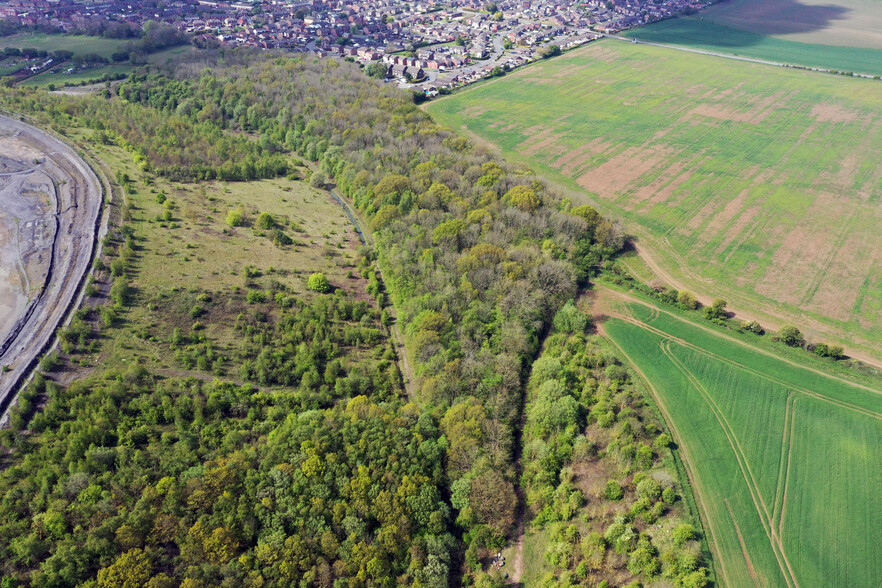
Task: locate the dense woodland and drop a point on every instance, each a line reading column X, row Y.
column 336, row 481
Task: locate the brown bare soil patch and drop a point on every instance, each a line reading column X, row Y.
column 580, row 157
column 802, row 257
column 759, row 110
column 833, row 113
column 663, row 188
column 838, row 292
column 618, row 173
column 474, row 111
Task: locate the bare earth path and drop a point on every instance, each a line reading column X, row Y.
column 74, row 195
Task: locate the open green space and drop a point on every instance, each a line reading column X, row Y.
column 60, row 77
column 185, row 247
column 701, row 33
column 750, row 182
column 785, row 460
column 79, row 44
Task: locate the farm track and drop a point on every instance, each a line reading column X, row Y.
column 79, row 197
column 759, row 350
column 784, row 467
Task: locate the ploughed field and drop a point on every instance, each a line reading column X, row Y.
column 751, row 182
column 786, row 461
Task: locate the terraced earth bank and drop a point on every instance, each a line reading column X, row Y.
column 50, row 202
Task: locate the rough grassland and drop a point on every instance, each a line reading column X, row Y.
column 755, row 183
column 849, row 23
column 79, row 44
column 700, row 33
column 196, row 252
column 786, row 461
column 60, row 78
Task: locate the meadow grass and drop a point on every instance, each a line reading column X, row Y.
column 784, row 459
column 79, row 44
column 701, row 33
column 195, row 258
column 750, row 182
column 59, row 78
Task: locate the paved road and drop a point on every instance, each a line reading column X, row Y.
column 77, row 207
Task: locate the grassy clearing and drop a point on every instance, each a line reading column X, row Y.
column 58, row 76
column 700, row 33
column 79, row 44
column 784, row 460
column 188, row 256
column 758, row 180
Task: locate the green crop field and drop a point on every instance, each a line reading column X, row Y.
column 786, row 461
column 707, row 35
column 79, row 44
column 755, row 183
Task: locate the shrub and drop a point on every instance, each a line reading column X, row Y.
column 265, row 221
column 613, row 491
column 236, row 218
column 688, row 300
column 790, row 335
column 318, row 283
column 684, row 533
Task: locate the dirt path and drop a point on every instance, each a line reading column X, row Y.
column 404, row 366
column 847, row 381
column 78, row 197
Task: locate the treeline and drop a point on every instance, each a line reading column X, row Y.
column 591, row 440
column 789, row 335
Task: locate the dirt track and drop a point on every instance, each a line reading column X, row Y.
column 53, row 200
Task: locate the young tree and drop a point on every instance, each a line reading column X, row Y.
column 688, row 300
column 318, row 283
column 791, row 336
column 317, row 179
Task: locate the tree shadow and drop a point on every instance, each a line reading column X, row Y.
column 785, row 17
column 771, row 17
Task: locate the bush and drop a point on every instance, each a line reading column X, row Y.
column 317, row 180
column 265, row 221
column 688, row 300
column 791, row 336
column 613, row 491
column 684, row 533
column 236, row 218
column 318, row 283
column 753, row 327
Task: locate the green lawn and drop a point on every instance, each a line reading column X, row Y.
column 700, row 33
column 60, row 79
column 755, row 183
column 785, row 460
column 79, row 44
